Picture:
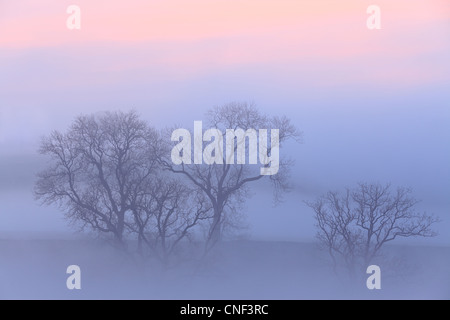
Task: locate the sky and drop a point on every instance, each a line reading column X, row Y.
column 373, row 104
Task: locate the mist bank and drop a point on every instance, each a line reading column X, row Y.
column 36, row 269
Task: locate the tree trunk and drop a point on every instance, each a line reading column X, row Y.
column 215, row 232
column 139, row 245
column 120, row 229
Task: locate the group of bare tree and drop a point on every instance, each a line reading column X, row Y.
column 111, row 173
column 355, row 225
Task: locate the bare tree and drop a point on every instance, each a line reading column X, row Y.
column 105, row 175
column 226, row 185
column 354, row 226
column 97, row 166
column 165, row 212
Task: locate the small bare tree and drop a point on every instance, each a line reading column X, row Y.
column 354, row 226
column 166, row 212
column 227, row 185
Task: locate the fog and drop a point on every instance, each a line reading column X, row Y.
column 274, row 257
column 237, row 270
column 373, row 107
column 340, row 148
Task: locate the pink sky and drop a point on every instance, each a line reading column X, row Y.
column 272, row 33
column 31, row 23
